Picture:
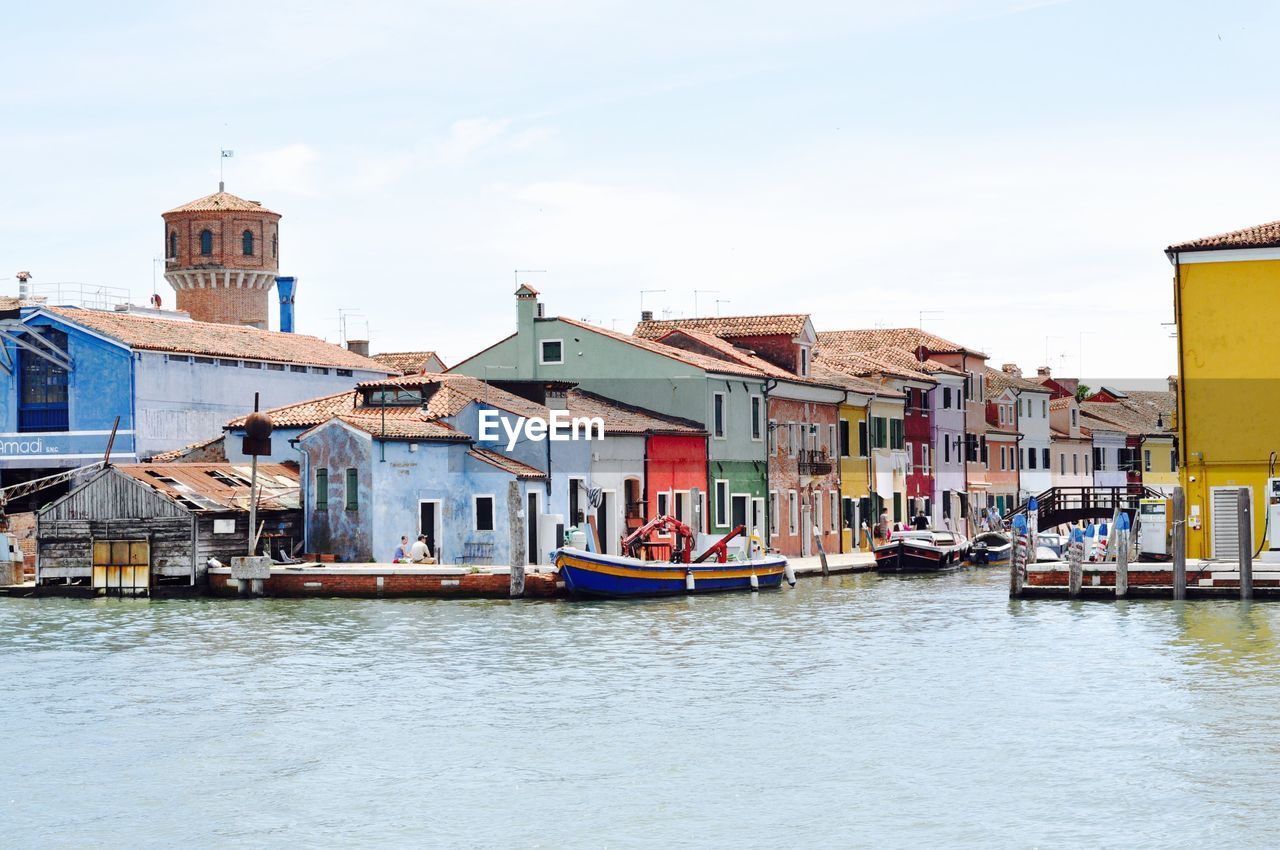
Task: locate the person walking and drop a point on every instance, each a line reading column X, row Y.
column 921, row 522
column 401, row 551
column 883, row 525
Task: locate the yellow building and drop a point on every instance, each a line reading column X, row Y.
column 864, row 467
column 1226, row 303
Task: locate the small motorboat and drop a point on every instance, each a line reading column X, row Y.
column 920, row 551
column 595, row 574
column 1053, row 541
column 990, row 547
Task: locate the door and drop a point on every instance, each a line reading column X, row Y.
column 757, row 518
column 738, row 510
column 604, row 522
column 1224, row 519
column 429, row 524
column 531, row 529
column 806, row 530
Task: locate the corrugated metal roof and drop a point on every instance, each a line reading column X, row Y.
column 219, row 487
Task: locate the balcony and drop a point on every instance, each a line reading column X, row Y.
column 815, row 462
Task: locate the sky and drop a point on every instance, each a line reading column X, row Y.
column 1003, row 173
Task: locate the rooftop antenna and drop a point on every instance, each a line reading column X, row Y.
column 226, row 154
column 345, row 313
column 922, row 313
column 695, row 298
column 720, row 301
column 645, row 292
column 516, row 274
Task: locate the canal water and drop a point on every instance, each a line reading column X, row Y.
column 849, row 712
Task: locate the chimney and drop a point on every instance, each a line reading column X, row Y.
column 646, row 315
column 358, row 346
column 24, row 285
column 1011, row 369
column 526, row 314
column 556, row 398
column 285, row 287
column 1043, row 372
column 1173, row 384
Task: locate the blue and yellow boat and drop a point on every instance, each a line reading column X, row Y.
column 592, row 574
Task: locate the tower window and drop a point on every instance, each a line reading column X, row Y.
column 275, row 245
column 247, row 242
column 206, row 243
column 173, row 243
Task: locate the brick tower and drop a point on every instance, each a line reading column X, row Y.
column 221, row 257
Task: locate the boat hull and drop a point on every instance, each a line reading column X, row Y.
column 589, row 574
column 903, row 556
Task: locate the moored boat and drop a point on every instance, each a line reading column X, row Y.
column 922, row 551
column 990, row 547
column 598, row 574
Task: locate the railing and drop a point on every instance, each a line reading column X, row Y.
column 87, row 295
column 1066, row 504
column 42, row 418
column 815, row 462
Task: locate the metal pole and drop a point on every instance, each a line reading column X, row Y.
column 1244, row 537
column 1179, row 543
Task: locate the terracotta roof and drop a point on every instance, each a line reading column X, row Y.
column 724, row 350
column 219, row 202
column 880, row 362
column 175, row 455
column 1060, row 403
column 620, row 418
column 216, row 340
column 454, row 392
column 790, row 324
column 1260, row 236
column 909, row 339
column 217, row 487
column 406, row 362
column 998, row 381
column 1118, row 416
column 306, row 413
column 401, row 423
column 506, row 464
column 830, row 372
column 700, row 361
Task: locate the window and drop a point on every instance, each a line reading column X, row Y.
column 664, row 504
column 757, row 417
column 322, row 489
column 1004, row 457
column 353, row 491
column 722, row 503
column 924, row 459
column 206, row 243
column 946, row 449
column 804, row 361
column 1044, row 458
column 275, row 246
column 1075, row 463
column 296, row 368
column 483, row 512
column 1062, row 464
column 911, row 466
column 1074, row 420
column 42, row 393
column 1173, row 460
column 246, row 243
column 946, row 398
column 793, row 439
column 982, row 451
column 551, row 352
column 1146, row 460
column 1044, row 408
column 275, row 367
column 793, row 512
column 831, row 439
column 774, row 510
column 319, row 370
column 862, row 438
column 173, row 243
column 1031, row 458
column 1099, row 460
column 717, row 415
column 342, row 373
column 835, row 510
column 575, row 509
column 223, row 361
column 252, row 364
column 817, row 509
column 844, row 438
column 897, row 439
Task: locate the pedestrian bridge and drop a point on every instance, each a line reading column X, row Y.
column 1061, row 505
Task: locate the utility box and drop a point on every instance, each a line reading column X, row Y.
column 1153, row 528
column 1273, row 514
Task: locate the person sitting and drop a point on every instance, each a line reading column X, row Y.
column 420, row 553
column 402, row 551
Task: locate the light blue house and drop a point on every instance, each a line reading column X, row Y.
column 67, row 373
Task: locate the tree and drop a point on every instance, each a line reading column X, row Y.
column 1083, row 391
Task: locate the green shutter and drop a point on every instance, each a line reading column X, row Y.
column 322, row 489
column 353, row 491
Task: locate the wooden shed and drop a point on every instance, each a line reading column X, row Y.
column 133, row 527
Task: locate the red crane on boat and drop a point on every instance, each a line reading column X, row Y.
column 682, row 551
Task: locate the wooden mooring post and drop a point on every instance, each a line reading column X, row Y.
column 1178, row 542
column 822, row 552
column 1244, row 539
column 1017, row 556
column 1120, row 533
column 516, row 520
column 1075, row 563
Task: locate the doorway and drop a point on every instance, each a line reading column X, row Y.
column 531, row 528
column 738, row 504
column 429, row 524
column 604, row 521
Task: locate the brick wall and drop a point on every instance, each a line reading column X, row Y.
column 315, row 583
column 227, row 306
